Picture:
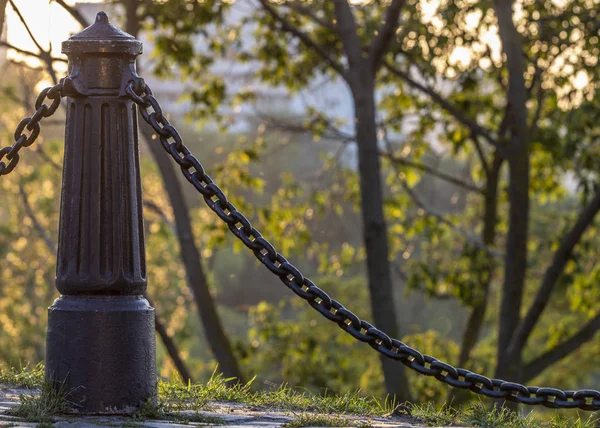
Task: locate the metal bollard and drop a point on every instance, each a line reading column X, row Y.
column 101, row 342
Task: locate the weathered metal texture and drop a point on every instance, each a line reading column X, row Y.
column 101, row 242
column 101, row 352
column 101, row 342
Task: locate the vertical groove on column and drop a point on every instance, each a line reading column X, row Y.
column 94, row 149
column 129, row 269
column 140, row 213
column 84, row 196
column 117, row 209
column 106, row 258
column 67, row 172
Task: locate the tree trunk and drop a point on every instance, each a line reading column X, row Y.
column 170, row 346
column 477, row 317
column 518, row 192
column 488, row 236
column 374, row 226
column 195, row 276
column 2, row 12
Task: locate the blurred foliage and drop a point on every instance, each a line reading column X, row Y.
column 294, row 175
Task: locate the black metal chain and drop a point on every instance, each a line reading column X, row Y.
column 33, row 126
column 331, row 309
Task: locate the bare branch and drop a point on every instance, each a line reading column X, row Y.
column 25, row 65
column 333, row 133
column 312, row 15
column 74, row 13
column 431, row 170
column 480, row 153
column 2, row 12
column 153, row 207
column 439, row 217
column 398, row 270
column 36, row 224
column 537, row 84
column 170, row 345
column 41, row 153
column 29, row 53
column 560, row 351
column 290, row 125
column 347, row 31
column 18, row 12
column 44, row 56
column 446, row 105
column 305, row 39
column 552, row 274
column 386, row 33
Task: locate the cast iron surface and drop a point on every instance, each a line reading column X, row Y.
column 100, row 352
column 101, row 236
column 101, row 334
column 331, row 309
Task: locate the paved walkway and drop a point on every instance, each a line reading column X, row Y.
column 235, row 415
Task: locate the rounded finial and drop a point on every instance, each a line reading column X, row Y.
column 102, row 17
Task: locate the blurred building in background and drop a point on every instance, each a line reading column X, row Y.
column 328, row 94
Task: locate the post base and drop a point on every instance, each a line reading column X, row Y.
column 101, row 351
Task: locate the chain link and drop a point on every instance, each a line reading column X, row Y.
column 331, row 309
column 32, row 124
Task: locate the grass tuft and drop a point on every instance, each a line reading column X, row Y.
column 177, row 396
column 310, row 420
column 41, row 407
column 559, row 421
column 151, row 409
column 479, row 414
column 155, row 409
column 432, row 415
column 24, row 377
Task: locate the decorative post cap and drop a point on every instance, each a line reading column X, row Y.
column 101, row 60
column 102, row 37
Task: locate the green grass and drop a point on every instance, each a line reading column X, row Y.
column 478, row 414
column 174, row 396
column 24, row 377
column 432, row 415
column 310, row 420
column 41, row 407
column 155, row 409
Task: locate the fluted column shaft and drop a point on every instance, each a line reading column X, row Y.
column 101, row 241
